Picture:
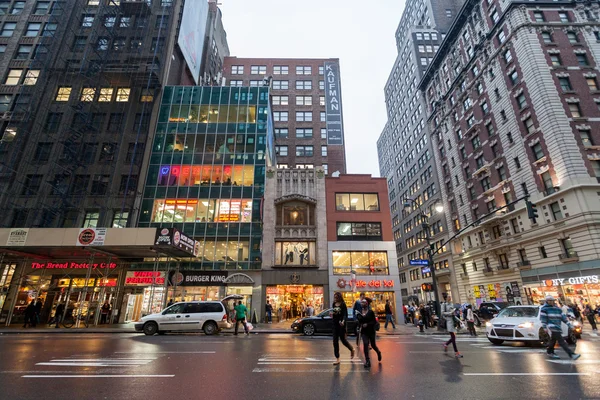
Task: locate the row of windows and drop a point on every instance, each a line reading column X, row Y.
column 41, row 7
column 300, row 100
column 277, row 70
column 32, row 30
column 278, row 85
column 301, row 116
column 202, row 210
column 301, row 151
column 195, row 175
column 302, row 133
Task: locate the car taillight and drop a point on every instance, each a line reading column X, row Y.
column 224, row 317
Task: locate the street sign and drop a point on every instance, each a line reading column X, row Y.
column 418, row 262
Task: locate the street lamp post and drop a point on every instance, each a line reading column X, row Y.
column 425, row 225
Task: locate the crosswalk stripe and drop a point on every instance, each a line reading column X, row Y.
column 312, row 370
column 574, row 361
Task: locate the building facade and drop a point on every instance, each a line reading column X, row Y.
column 361, row 252
column 206, row 177
column 406, row 157
column 294, row 269
column 308, row 131
column 512, row 106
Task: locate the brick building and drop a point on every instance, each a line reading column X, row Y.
column 512, row 104
column 298, row 105
column 361, row 248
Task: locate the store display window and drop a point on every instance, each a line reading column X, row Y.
column 295, row 253
column 361, row 262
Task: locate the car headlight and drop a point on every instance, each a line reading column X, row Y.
column 525, row 325
column 488, row 324
column 296, row 321
column 576, row 323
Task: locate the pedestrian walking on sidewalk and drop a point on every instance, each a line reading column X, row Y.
column 447, row 312
column 471, row 321
column 38, row 311
column 58, row 313
column 367, row 321
column 339, row 318
column 30, row 315
column 240, row 316
column 389, row 315
column 591, row 316
column 551, row 317
column 269, row 311
column 104, row 312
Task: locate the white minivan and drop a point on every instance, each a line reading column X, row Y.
column 207, row 316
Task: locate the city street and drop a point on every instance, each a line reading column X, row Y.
column 284, row 366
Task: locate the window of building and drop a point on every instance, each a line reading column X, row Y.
column 321, row 85
column 529, row 127
column 565, row 84
column 8, row 29
column 87, row 94
column 324, row 151
column 105, row 95
column 507, row 56
column 538, row 16
column 120, row 219
column 358, row 231
column 326, row 169
column 281, row 132
column 119, row 44
column 572, row 36
column 5, row 100
column 357, row 201
column 304, row 116
column 476, row 142
column 42, row 152
column 537, row 151
column 280, row 116
column 13, row 77
column 323, row 133
column 521, row 101
column 32, row 185
column 303, row 85
column 582, row 60
column 575, row 110
column 543, row 253
column 281, row 85
column 547, row 37
column 23, row 52
column 135, row 44
column 281, row 150
column 237, row 70
column 514, row 77
column 18, row 7
column 556, row 211
column 555, row 60
column 258, row 69
column 100, row 185
column 567, row 246
column 102, row 44
column 236, row 83
column 303, row 70
column 255, row 83
column 304, row 151
column 304, row 133
column 91, row 219
column 503, row 259
column 485, row 184
column 596, row 167
column 33, row 29
column 586, row 138
column 280, row 70
column 304, row 100
column 280, row 100
column 63, row 94
column 123, row 94
column 564, row 16
column 547, row 181
column 592, row 84
column 362, row 262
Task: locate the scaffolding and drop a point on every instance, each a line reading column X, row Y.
column 105, row 63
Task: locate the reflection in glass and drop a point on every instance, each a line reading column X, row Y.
column 362, row 262
column 295, row 253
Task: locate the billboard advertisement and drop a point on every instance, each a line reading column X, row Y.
column 191, row 34
column 333, row 104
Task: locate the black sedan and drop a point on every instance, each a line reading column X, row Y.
column 322, row 323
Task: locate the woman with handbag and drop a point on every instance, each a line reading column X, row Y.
column 367, row 322
column 447, row 312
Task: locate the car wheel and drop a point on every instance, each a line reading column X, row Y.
column 210, row 328
column 544, row 338
column 572, row 338
column 150, row 328
column 308, row 329
column 496, row 341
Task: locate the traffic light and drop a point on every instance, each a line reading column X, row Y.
column 532, row 211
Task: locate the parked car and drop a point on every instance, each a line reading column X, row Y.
column 321, row 323
column 207, row 316
column 522, row 324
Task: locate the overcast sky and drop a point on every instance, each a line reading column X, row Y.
column 359, row 33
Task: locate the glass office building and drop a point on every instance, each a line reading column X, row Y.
column 206, row 172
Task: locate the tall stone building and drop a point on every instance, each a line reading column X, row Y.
column 406, row 157
column 512, row 104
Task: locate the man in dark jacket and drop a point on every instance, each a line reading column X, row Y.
column 30, row 315
column 552, row 318
column 38, row 311
column 58, row 314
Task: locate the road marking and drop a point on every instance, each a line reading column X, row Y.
column 312, row 370
column 97, row 376
column 188, row 342
column 574, row 361
column 105, row 359
column 166, row 352
column 528, row 374
column 97, row 362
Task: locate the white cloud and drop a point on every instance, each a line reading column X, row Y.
column 359, row 33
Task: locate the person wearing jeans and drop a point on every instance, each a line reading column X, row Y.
column 552, row 319
column 339, row 319
column 471, row 321
column 389, row 316
column 367, row 321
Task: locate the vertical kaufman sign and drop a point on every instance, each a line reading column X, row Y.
column 333, row 104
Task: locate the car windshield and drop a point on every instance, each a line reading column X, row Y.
column 325, row 313
column 519, row 312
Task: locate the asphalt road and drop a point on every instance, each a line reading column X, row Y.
column 270, row 366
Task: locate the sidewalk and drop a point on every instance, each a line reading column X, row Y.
column 276, row 328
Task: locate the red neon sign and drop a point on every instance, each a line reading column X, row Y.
column 375, row 283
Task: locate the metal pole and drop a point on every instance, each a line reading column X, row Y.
column 13, row 302
column 431, row 267
column 83, row 295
